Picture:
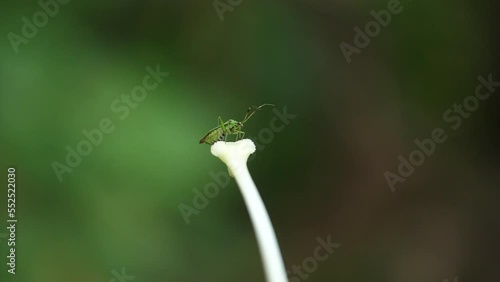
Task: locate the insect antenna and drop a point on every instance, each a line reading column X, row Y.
column 250, row 113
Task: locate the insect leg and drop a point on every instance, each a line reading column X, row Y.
column 221, row 123
column 241, row 134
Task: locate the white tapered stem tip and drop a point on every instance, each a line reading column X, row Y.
column 233, row 154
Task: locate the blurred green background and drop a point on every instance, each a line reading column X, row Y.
column 322, row 175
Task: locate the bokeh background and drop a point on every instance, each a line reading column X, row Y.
column 323, row 175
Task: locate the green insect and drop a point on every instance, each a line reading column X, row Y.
column 229, row 127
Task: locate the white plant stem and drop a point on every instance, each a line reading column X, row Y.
column 235, row 155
